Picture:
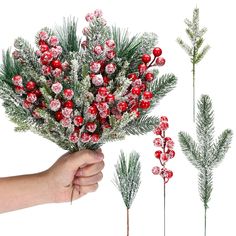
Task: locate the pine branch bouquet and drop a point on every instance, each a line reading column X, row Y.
column 205, row 154
column 83, row 93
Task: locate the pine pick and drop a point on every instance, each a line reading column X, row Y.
column 195, row 49
column 205, row 154
column 127, row 179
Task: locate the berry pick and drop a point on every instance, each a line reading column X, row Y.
column 164, row 153
column 83, row 93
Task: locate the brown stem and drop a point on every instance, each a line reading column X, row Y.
column 127, row 213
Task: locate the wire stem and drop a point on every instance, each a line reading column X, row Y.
column 127, row 212
column 164, row 209
column 205, row 221
column 193, row 71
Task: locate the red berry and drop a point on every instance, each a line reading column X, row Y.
column 167, row 139
column 44, row 48
column 38, row 93
column 17, row 80
column 78, row 120
column 164, row 157
column 92, row 110
column 169, row 174
column 133, row 76
column 85, row 137
column 102, row 91
column 164, row 126
column 157, row 52
column 164, row 118
column 46, row 58
column 143, row 87
column 110, row 98
column 56, row 64
column 146, row 58
column 122, row 106
column 68, row 93
column 31, row 97
column 69, row 104
column 19, row 89
column 59, row 116
column 95, row 138
column 157, row 131
column 160, row 61
column 106, row 80
column 42, row 42
column 91, row 126
column 171, row 153
column 136, row 91
column 30, row 85
column 149, row 76
column 144, row 104
column 142, row 68
column 147, row 95
column 158, row 154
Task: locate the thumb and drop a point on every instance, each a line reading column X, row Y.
column 85, row 157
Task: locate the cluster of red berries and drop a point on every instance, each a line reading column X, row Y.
column 166, row 153
column 86, row 126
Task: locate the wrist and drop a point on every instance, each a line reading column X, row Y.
column 45, row 189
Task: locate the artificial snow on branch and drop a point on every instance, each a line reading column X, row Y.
column 127, row 179
column 194, row 50
column 205, row 153
column 83, row 91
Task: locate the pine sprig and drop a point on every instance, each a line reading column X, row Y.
column 190, row 149
column 126, row 47
column 9, row 67
column 127, row 177
column 161, row 86
column 67, row 35
column 220, row 148
column 205, row 126
column 195, row 51
column 205, row 185
column 141, row 126
column 205, row 154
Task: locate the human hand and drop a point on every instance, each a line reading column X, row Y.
column 74, row 175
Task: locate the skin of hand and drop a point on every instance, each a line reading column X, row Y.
column 72, row 175
column 79, row 172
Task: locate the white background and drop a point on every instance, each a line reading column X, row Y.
column 103, row 212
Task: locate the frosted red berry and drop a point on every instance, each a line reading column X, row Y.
column 142, row 68
column 78, row 120
column 122, row 106
column 136, row 91
column 149, row 77
column 30, row 85
column 160, row 61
